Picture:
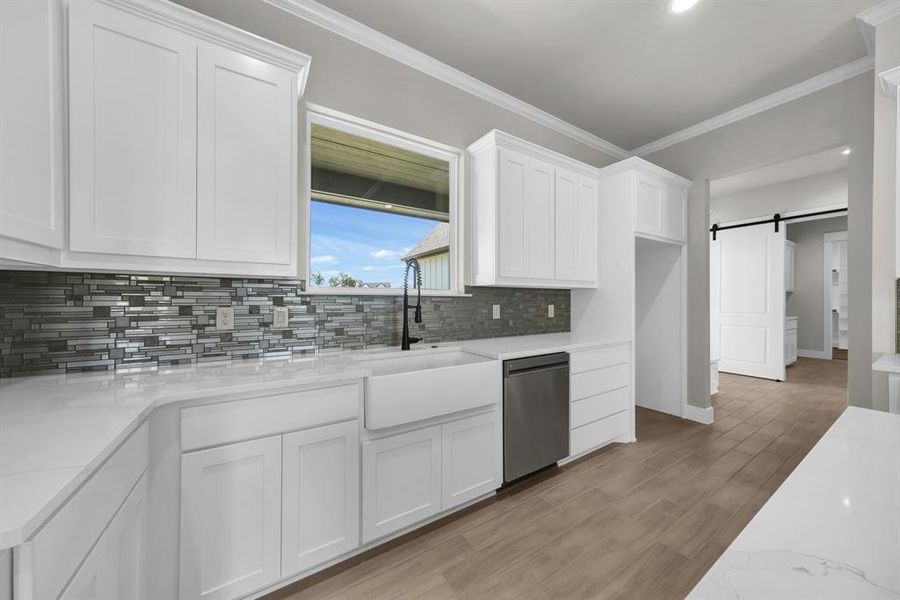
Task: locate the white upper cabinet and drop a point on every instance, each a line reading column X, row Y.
column 31, row 130
column 659, row 208
column 247, row 143
column 576, row 231
column 182, row 141
column 532, row 216
column 133, row 128
column 526, row 217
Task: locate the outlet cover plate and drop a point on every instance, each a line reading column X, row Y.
column 224, row 318
column 280, row 317
column 551, row 311
column 496, row 311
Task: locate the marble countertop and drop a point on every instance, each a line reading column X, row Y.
column 832, row 530
column 887, row 363
column 55, row 430
column 532, row 345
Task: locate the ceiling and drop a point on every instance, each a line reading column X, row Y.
column 626, row 70
column 826, row 161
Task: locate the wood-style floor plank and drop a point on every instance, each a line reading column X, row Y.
column 643, row 520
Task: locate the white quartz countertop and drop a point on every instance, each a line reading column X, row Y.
column 832, row 530
column 506, row 348
column 55, row 430
column 887, row 363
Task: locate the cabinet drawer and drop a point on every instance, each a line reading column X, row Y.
column 60, row 546
column 596, row 407
column 582, row 439
column 591, row 383
column 214, row 424
column 597, row 359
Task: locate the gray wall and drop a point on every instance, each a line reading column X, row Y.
column 347, row 77
column 827, row 189
column 806, row 302
column 884, row 203
column 840, row 114
column 71, row 322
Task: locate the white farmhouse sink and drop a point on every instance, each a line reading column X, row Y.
column 421, row 384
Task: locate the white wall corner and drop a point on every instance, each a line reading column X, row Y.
column 700, row 415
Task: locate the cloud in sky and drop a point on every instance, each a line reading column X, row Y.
column 385, row 254
column 323, row 259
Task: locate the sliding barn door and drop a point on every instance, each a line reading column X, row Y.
column 747, row 301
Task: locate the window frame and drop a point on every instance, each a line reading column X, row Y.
column 319, row 115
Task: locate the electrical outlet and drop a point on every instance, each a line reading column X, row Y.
column 551, row 311
column 224, row 318
column 496, row 311
column 280, row 318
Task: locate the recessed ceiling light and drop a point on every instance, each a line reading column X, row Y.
column 845, row 151
column 680, row 6
column 389, row 206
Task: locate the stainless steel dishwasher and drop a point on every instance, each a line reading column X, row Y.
column 535, row 413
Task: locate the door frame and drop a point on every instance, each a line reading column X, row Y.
column 828, row 240
column 701, row 415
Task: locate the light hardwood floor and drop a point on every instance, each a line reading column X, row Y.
column 643, row 520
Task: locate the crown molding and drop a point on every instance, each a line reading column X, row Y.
column 636, row 163
column 870, row 18
column 341, row 24
column 788, row 94
column 890, row 82
column 209, row 29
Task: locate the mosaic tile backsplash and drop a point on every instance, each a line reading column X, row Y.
column 69, row 322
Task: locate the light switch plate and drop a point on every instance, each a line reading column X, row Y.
column 496, row 311
column 551, row 311
column 224, row 318
column 280, row 317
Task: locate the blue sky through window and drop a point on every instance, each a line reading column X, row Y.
column 365, row 244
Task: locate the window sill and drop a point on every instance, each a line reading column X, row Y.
column 382, row 292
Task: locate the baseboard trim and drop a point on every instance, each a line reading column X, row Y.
column 813, row 354
column 700, row 415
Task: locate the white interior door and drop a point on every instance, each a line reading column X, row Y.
column 750, row 311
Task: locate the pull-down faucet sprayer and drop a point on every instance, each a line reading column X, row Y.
column 417, row 280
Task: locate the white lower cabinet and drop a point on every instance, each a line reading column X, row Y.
column 320, row 501
column 470, row 459
column 412, row 476
column 114, row 568
column 230, row 519
column 401, row 481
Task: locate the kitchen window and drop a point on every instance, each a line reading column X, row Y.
column 378, row 197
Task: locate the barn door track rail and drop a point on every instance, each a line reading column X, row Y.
column 776, row 219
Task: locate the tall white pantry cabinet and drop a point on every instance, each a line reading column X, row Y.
column 171, row 145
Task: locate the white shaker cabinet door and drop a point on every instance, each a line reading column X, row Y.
column 127, row 539
column 114, row 568
column 230, row 519
column 648, row 206
column 320, row 505
column 401, row 481
column 576, row 227
column 526, row 215
column 133, row 127
column 31, row 116
column 471, row 465
column 512, row 181
column 246, row 146
column 673, row 213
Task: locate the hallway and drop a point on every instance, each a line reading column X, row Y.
column 643, row 520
